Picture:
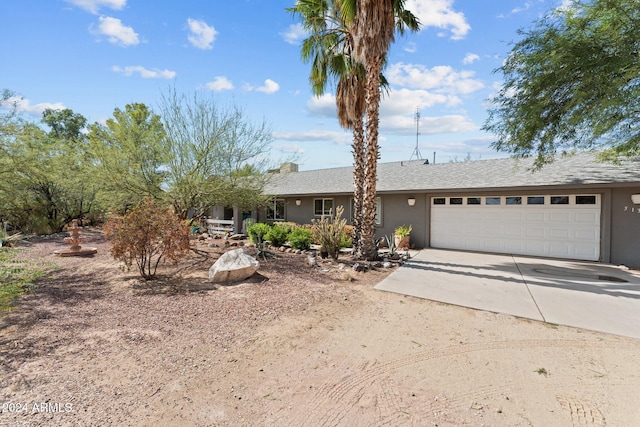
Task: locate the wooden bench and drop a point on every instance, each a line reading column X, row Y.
column 219, row 226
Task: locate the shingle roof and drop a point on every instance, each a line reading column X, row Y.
column 578, row 169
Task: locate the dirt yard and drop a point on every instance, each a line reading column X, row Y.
column 293, row 346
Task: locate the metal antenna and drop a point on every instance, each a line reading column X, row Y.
column 416, row 151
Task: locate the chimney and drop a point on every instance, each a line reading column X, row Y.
column 288, row 167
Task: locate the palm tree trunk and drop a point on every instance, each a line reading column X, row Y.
column 359, row 168
column 368, row 249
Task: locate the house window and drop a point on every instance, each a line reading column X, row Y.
column 323, row 207
column 455, row 200
column 439, row 200
column 559, row 200
column 473, row 200
column 513, row 200
column 585, row 200
column 492, row 201
column 275, row 210
column 535, row 200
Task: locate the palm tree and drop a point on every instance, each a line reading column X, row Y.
column 333, row 26
column 373, row 29
column 329, row 48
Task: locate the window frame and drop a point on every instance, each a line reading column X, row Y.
column 271, row 213
column 325, row 212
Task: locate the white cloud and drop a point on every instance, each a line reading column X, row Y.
column 406, row 125
column 289, row 148
column 201, row 34
column 405, row 101
column 219, row 84
column 440, row 14
column 269, row 87
column 470, row 58
column 411, row 47
column 527, row 6
column 442, row 78
column 335, row 137
column 143, row 72
column 294, row 34
column 24, row 105
column 93, row 6
column 323, row 106
column 116, row 32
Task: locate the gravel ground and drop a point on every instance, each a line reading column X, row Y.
column 95, row 344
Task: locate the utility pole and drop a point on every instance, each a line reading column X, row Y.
column 416, row 151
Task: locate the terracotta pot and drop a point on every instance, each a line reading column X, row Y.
column 402, row 242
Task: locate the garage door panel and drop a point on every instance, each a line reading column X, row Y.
column 586, row 217
column 567, row 231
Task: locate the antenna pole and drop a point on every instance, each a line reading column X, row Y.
column 416, row 151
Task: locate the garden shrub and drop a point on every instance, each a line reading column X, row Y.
column 258, row 231
column 346, row 241
column 146, row 235
column 278, row 234
column 300, row 238
column 328, row 232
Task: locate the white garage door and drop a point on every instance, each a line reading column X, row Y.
column 564, row 226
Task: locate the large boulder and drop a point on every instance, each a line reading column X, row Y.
column 233, row 266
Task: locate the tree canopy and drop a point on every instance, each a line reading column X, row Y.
column 572, row 82
column 193, row 156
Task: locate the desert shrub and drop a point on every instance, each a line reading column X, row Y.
column 300, row 238
column 258, row 231
column 328, row 232
column 346, row 241
column 146, row 235
column 278, row 234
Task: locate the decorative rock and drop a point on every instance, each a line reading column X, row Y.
column 359, row 267
column 233, row 266
column 205, row 235
column 386, row 264
column 312, row 261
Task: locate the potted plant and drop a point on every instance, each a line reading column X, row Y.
column 402, row 236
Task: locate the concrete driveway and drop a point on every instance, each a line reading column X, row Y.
column 598, row 297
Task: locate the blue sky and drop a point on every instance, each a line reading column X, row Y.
column 93, row 56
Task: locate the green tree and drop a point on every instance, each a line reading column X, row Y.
column 129, row 156
column 572, row 82
column 46, row 185
column 215, row 155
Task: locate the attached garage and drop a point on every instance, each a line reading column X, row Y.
column 558, row 226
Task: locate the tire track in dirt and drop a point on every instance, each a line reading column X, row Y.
column 583, row 413
column 335, row 400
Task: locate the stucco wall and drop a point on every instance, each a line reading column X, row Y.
column 625, row 228
column 396, row 212
column 305, row 212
